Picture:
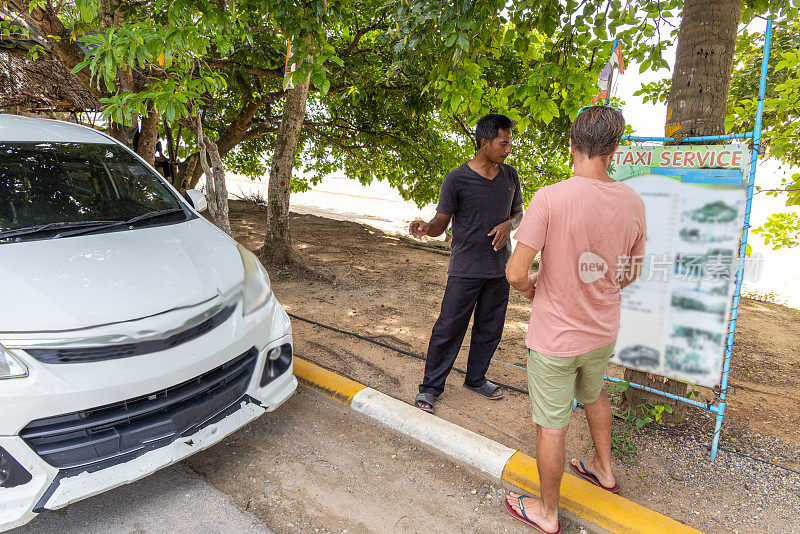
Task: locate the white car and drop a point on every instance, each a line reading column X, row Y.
column 133, row 332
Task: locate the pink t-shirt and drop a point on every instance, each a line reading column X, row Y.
column 586, row 229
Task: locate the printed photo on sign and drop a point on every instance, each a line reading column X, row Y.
column 674, row 318
column 689, row 307
column 687, row 355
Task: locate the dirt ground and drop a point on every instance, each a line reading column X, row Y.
column 389, row 291
column 314, row 465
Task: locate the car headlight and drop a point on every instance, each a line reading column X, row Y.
column 10, row 367
column 257, row 288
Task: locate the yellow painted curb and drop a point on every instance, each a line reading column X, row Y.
column 602, row 508
column 598, row 506
column 331, row 384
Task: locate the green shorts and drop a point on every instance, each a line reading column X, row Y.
column 554, row 380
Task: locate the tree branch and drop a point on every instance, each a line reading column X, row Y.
column 462, row 126
column 330, row 139
column 244, row 85
column 374, row 135
column 362, row 32
column 259, row 130
column 250, row 69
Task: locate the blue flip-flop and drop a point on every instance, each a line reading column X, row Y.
column 589, row 477
column 522, row 517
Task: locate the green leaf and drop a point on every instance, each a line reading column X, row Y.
column 463, row 43
column 80, row 65
column 86, row 9
column 109, row 64
column 318, row 79
column 622, row 386
column 783, row 64
column 170, row 112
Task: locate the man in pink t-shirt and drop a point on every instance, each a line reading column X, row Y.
column 590, row 230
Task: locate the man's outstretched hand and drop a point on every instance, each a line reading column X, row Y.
column 419, row 228
column 501, row 233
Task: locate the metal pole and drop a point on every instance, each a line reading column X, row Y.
column 697, row 139
column 698, row 404
column 762, row 87
column 748, row 135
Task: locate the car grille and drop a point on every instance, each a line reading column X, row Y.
column 108, row 435
column 125, row 350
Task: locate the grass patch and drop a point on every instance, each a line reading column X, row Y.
column 764, row 296
column 284, row 275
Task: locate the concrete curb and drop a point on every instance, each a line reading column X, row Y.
column 586, row 500
column 459, row 443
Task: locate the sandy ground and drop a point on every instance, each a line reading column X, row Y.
column 313, row 465
column 316, row 466
column 391, row 292
column 173, row 500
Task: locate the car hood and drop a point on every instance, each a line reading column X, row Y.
column 96, row 279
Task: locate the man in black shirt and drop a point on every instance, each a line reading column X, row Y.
column 484, row 200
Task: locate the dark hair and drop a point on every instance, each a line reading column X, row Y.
column 597, row 131
column 488, row 125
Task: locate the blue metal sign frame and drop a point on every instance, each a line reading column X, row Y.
column 755, row 135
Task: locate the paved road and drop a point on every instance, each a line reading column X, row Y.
column 172, row 500
column 312, row 466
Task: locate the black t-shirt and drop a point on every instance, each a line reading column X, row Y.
column 477, row 205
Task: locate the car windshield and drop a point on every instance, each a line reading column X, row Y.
column 47, row 187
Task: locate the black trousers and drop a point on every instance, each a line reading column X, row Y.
column 488, row 298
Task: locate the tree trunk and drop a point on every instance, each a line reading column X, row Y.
column 216, row 190
column 120, row 133
column 277, row 247
column 171, row 154
column 696, row 106
column 698, row 96
column 190, row 175
column 148, row 136
column 233, row 134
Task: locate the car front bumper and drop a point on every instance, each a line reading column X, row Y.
column 57, row 389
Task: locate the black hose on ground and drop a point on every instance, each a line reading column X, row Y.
column 508, row 386
column 392, row 348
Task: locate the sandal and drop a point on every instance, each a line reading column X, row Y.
column 425, row 398
column 489, row 390
column 591, row 478
column 520, row 516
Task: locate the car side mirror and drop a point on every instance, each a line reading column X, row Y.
column 197, row 199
